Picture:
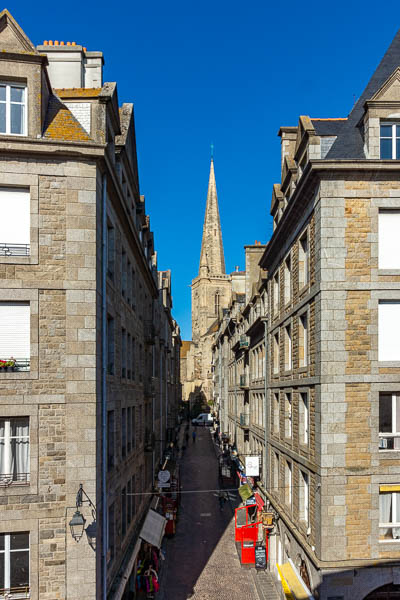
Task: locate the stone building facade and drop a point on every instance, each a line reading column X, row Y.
column 331, row 369
column 82, row 318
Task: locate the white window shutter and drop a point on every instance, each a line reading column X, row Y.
column 389, row 239
column 389, row 331
column 15, row 213
column 14, row 330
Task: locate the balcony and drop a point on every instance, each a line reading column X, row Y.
column 389, row 441
column 244, row 420
column 243, row 383
column 14, row 364
column 15, row 249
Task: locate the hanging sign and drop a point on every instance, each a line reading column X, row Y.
column 164, row 476
column 252, row 466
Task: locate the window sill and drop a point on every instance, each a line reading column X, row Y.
column 395, row 364
column 389, row 541
column 388, row 272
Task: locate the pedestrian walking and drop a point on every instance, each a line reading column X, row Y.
column 194, row 435
column 221, row 499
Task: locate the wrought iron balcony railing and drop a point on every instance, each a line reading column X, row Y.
column 7, row 479
column 14, row 249
column 15, row 593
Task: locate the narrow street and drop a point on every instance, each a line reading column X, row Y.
column 201, row 559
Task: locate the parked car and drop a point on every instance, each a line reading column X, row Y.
column 204, row 419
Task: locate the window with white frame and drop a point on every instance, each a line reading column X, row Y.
column 389, row 330
column 303, row 497
column 275, row 293
column 389, row 421
column 288, row 415
column 389, row 239
column 276, row 472
column 303, row 418
column 275, row 418
column 287, row 281
column 389, row 515
column 276, row 353
column 15, row 223
column 14, row 565
column 13, row 113
column 288, row 483
column 14, row 450
column 288, row 348
column 390, row 140
column 303, row 260
column 15, row 335
column 303, row 340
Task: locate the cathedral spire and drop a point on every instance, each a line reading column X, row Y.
column 212, row 260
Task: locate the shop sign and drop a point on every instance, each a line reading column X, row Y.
column 261, row 559
column 252, row 466
column 164, row 476
column 163, row 485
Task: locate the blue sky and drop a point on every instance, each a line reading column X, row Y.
column 226, row 72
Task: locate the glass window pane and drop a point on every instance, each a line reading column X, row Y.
column 17, row 118
column 19, row 541
column 3, row 93
column 2, row 541
column 19, row 569
column 397, row 130
column 20, row 427
column 385, row 413
column 2, row 117
column 398, row 149
column 2, row 570
column 17, row 94
column 386, row 131
column 386, row 148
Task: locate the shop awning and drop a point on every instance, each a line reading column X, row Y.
column 153, row 528
column 259, row 501
column 245, row 492
column 293, row 586
column 127, row 571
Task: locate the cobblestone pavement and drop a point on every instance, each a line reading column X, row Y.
column 201, row 560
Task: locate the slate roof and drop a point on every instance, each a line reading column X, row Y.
column 61, row 124
column 349, row 143
column 328, row 126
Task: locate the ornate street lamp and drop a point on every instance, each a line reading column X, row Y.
column 77, row 523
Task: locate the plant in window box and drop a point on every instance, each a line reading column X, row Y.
column 5, row 364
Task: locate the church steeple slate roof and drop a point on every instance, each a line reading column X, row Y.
column 212, row 260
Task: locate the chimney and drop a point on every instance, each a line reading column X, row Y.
column 71, row 66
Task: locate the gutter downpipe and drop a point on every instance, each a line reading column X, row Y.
column 266, row 403
column 221, row 405
column 104, row 389
column 236, row 413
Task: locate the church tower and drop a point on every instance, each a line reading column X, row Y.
column 211, row 289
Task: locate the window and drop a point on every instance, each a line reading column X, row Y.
column 129, row 429
column 388, row 239
column 14, row 564
column 275, row 294
column 133, row 358
column 110, row 439
column 139, row 424
column 288, row 415
column 15, row 234
column 389, row 516
column 110, row 345
column 129, row 283
column 110, row 250
column 287, row 281
column 390, row 140
column 276, row 353
column 276, row 472
column 123, row 432
column 123, row 510
column 129, row 502
column 123, row 353
column 133, row 289
column 389, row 330
column 14, row 450
column 111, row 533
column 389, row 421
column 276, row 412
column 129, row 359
column 288, row 348
column 303, row 418
column 123, row 273
column 13, row 109
column 134, row 491
column 216, row 303
column 303, row 497
column 133, row 428
column 303, row 261
column 303, row 341
column 15, row 334
column 288, row 483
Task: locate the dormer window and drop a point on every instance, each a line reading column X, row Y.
column 390, row 140
column 13, row 109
